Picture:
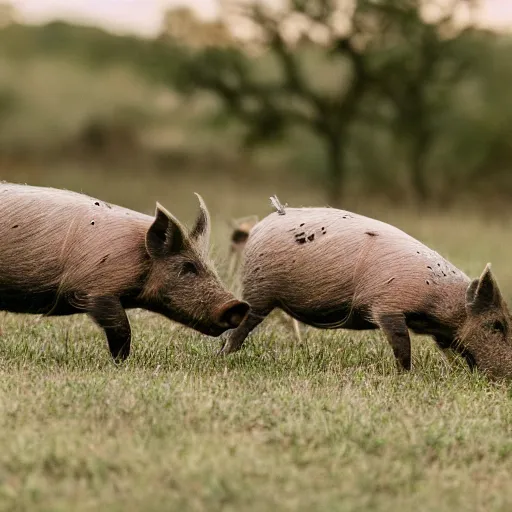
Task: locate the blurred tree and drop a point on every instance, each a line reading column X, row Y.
column 182, row 25
column 483, row 125
column 292, row 97
column 408, row 52
column 421, row 51
column 91, row 46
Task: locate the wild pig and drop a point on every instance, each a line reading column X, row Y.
column 64, row 253
column 334, row 269
column 240, row 229
column 239, row 236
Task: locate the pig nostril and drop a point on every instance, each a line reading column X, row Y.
column 235, row 320
column 233, row 316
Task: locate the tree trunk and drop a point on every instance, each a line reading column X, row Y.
column 417, row 166
column 336, row 170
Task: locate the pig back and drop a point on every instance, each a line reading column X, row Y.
column 324, row 257
column 55, row 241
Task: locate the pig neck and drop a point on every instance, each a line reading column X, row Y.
column 446, row 315
column 133, row 276
column 135, row 298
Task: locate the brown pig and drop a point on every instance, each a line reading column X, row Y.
column 64, row 253
column 334, row 269
column 239, row 236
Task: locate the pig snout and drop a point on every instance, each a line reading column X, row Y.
column 231, row 314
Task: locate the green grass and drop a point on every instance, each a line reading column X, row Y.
column 326, row 425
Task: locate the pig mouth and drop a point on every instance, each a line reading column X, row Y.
column 467, row 356
column 210, row 330
column 228, row 317
column 204, row 327
column 207, row 328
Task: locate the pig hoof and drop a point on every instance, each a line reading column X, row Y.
column 226, row 350
column 223, row 351
column 119, row 360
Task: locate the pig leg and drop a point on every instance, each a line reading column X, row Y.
column 238, row 335
column 109, row 314
column 397, row 333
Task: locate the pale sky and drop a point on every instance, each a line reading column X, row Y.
column 138, row 16
column 144, row 16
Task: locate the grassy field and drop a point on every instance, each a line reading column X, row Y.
column 326, row 425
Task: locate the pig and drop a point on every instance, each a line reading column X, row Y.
column 331, row 269
column 239, row 235
column 64, row 253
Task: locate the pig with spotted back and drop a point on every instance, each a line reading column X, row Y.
column 64, row 253
column 239, row 236
column 335, row 269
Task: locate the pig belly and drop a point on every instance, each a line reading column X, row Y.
column 38, row 303
column 342, row 316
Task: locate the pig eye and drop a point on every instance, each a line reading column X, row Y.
column 498, row 326
column 188, row 269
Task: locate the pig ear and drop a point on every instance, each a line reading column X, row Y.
column 253, row 220
column 483, row 293
column 470, row 292
column 201, row 229
column 166, row 235
column 249, row 222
